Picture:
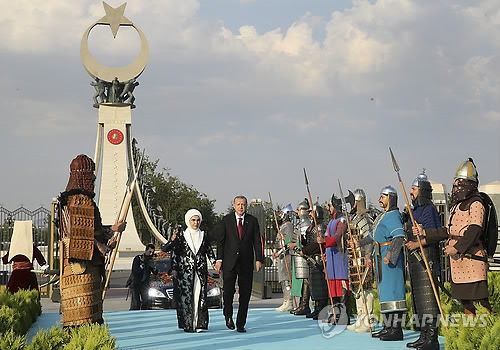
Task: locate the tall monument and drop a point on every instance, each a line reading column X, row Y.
column 114, row 98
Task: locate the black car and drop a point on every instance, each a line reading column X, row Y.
column 161, row 287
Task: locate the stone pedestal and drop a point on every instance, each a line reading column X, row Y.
column 113, row 161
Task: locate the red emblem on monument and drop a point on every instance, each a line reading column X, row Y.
column 115, row 136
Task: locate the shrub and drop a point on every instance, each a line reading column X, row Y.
column 12, row 341
column 91, row 337
column 54, row 339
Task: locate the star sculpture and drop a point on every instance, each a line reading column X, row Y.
column 115, row 18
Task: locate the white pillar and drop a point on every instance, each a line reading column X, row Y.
column 115, row 122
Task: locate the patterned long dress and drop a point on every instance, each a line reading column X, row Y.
column 191, row 269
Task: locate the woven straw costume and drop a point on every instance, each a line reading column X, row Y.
column 84, row 242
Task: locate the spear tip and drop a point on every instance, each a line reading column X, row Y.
column 305, row 176
column 394, row 162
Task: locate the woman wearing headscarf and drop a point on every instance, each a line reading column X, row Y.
column 191, row 250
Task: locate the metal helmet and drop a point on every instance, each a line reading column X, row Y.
column 319, row 212
column 337, row 204
column 360, row 197
column 359, row 194
column 286, row 212
column 467, row 171
column 304, row 208
column 393, row 195
column 424, row 188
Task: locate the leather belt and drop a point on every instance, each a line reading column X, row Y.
column 455, row 237
column 385, row 243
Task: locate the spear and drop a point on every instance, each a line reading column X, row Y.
column 320, row 246
column 414, row 223
column 283, row 248
column 122, row 215
column 356, row 261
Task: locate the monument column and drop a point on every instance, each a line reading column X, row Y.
column 114, row 98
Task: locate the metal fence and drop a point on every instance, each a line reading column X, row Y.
column 42, row 238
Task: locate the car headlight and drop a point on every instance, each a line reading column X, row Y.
column 213, row 292
column 155, row 293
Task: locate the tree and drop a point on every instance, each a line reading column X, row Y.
column 173, row 199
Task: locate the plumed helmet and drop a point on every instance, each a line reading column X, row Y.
column 467, row 171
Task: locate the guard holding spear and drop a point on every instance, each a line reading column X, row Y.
column 466, row 232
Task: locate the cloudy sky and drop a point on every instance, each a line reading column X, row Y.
column 240, row 95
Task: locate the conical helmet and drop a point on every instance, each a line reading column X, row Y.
column 467, row 171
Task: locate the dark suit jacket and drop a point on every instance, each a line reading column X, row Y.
column 231, row 250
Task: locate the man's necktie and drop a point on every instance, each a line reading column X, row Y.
column 240, row 227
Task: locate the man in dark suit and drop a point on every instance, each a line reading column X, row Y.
column 238, row 238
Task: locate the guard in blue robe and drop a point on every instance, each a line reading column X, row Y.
column 388, row 239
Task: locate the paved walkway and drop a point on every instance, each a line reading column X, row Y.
column 267, row 329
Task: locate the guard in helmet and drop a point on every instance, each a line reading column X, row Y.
column 337, row 260
column 317, row 286
column 388, row 238
column 466, row 223
column 300, row 266
column 362, row 224
column 423, row 300
column 285, row 268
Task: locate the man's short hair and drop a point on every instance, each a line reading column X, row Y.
column 240, row 197
column 150, row 246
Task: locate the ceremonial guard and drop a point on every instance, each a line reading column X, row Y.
column 362, row 224
column 22, row 253
column 300, row 276
column 465, row 232
column 311, row 250
column 337, row 260
column 285, row 235
column 423, row 299
column 388, row 239
column 84, row 244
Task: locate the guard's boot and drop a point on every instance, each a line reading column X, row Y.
column 287, row 301
column 313, row 312
column 365, row 324
column 304, row 303
column 382, row 332
column 395, row 333
column 360, row 311
column 297, row 308
column 320, row 305
column 421, row 339
column 431, row 339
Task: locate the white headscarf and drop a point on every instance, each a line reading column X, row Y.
column 194, row 238
column 22, row 240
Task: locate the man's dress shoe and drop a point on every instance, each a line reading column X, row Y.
column 229, row 323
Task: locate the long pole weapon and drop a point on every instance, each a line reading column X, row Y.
column 320, row 246
column 122, row 215
column 356, row 261
column 414, row 223
column 284, row 250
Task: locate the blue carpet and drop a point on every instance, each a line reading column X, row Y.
column 267, row 329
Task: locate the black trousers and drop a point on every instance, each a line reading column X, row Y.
column 140, row 298
column 245, row 277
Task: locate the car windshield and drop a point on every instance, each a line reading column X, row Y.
column 163, row 265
